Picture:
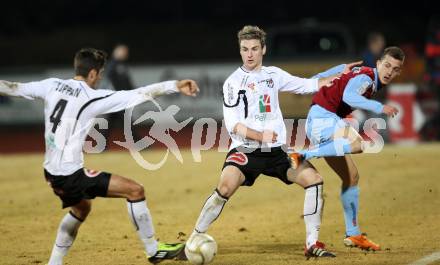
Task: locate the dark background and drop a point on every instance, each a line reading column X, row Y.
column 35, row 33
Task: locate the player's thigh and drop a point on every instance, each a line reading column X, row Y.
column 305, row 175
column 230, row 180
column 321, row 125
column 345, row 167
column 122, row 187
column 82, row 209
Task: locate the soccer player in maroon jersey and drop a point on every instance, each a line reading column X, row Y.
column 334, row 139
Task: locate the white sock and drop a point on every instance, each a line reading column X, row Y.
column 141, row 218
column 210, row 211
column 66, row 235
column 312, row 212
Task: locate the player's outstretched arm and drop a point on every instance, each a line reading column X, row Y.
column 326, row 77
column 29, row 90
column 350, row 66
column 120, row 100
column 297, row 85
column 188, row 87
column 337, row 70
column 8, row 88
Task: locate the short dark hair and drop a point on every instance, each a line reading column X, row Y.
column 88, row 59
column 394, row 52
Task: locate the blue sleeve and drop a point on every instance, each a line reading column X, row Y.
column 332, row 71
column 353, row 94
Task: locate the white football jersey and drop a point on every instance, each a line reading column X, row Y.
column 251, row 98
column 70, row 107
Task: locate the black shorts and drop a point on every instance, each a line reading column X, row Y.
column 83, row 184
column 273, row 163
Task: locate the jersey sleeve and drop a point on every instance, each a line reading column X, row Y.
column 31, row 90
column 332, row 71
column 232, row 105
column 353, row 94
column 111, row 101
column 296, row 85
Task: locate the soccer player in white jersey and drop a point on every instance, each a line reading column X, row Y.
column 70, row 107
column 255, row 123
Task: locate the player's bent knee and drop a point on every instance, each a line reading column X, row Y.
column 227, row 187
column 354, row 179
column 81, row 215
column 136, row 191
column 315, row 179
column 312, row 177
column 224, row 190
column 230, row 181
column 308, row 177
column 81, row 210
column 353, row 176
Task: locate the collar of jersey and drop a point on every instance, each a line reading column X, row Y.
column 376, row 79
column 253, row 71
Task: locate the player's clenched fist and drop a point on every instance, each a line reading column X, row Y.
column 188, row 87
column 269, row 136
column 390, row 110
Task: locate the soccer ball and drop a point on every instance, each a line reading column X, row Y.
column 201, row 249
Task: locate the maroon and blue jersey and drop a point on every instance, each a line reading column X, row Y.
column 350, row 91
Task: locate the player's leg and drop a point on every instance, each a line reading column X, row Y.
column 121, row 187
column 68, row 230
column 346, row 169
column 307, row 177
column 140, row 216
column 348, row 173
column 329, row 135
column 345, row 141
column 230, row 180
column 137, row 209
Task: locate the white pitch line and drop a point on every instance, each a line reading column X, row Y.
column 427, row 260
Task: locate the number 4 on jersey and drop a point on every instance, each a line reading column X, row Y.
column 55, row 117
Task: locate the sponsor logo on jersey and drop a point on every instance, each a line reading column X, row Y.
column 264, row 103
column 269, row 82
column 367, row 89
column 265, row 116
column 356, row 70
column 363, row 88
column 237, row 158
column 251, row 86
column 91, row 173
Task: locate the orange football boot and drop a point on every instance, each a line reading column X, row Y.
column 361, row 241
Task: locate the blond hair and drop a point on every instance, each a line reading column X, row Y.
column 252, row 33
